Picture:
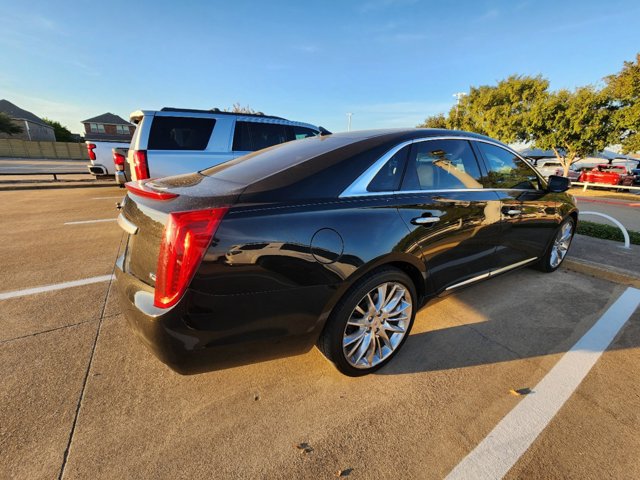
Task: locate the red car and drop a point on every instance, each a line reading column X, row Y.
column 605, row 174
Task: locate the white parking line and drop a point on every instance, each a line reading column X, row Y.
column 55, row 286
column 91, row 221
column 505, row 444
column 107, row 198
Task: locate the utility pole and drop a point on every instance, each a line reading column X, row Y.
column 349, row 121
column 458, row 96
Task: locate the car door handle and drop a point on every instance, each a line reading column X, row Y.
column 425, row 220
column 512, row 212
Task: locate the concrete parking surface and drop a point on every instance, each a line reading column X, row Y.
column 81, row 398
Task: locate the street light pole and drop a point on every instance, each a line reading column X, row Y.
column 349, row 121
column 458, row 96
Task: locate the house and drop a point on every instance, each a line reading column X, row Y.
column 109, row 127
column 33, row 127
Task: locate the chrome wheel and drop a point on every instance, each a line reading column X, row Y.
column 561, row 244
column 377, row 325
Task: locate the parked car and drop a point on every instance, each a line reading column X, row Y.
column 101, row 157
column 547, row 167
column 605, row 174
column 332, row 240
column 174, row 141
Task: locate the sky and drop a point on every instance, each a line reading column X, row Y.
column 391, row 63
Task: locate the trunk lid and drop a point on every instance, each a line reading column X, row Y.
column 147, row 217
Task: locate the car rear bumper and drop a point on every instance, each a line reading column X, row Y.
column 98, row 170
column 121, row 178
column 229, row 330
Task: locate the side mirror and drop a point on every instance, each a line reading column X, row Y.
column 558, row 184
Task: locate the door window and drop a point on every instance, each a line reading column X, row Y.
column 506, row 170
column 251, row 136
column 388, row 177
column 303, row 132
column 442, row 165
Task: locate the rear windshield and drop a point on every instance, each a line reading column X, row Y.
column 261, row 164
column 180, row 133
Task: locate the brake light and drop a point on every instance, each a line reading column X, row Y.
column 118, row 159
column 140, row 166
column 186, row 237
column 90, row 147
column 141, row 189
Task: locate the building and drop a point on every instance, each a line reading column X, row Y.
column 109, row 127
column 33, row 127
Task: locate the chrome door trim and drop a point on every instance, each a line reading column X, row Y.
column 492, row 273
column 359, row 187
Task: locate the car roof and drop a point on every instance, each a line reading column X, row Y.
column 317, row 167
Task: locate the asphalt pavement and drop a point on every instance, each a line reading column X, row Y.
column 626, row 212
column 80, row 397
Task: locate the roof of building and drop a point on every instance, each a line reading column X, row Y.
column 110, row 118
column 18, row 113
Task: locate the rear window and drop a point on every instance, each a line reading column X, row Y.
column 180, row 133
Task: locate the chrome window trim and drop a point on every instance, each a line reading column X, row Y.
column 359, row 187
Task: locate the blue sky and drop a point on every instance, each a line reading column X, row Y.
column 390, row 62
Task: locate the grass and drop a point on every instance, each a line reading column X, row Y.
column 607, row 232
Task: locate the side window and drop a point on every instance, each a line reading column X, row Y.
column 442, row 165
column 303, row 132
column 180, row 133
column 389, row 176
column 241, row 138
column 506, row 170
column 252, row 136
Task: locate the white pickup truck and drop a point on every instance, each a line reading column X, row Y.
column 101, row 157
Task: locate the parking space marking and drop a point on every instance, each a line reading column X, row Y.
column 507, row 442
column 55, row 286
column 107, row 198
column 91, row 221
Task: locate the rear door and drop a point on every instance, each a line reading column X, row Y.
column 454, row 221
column 529, row 214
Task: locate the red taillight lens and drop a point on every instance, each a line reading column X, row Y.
column 140, row 166
column 186, row 237
column 141, row 188
column 90, row 147
column 118, row 159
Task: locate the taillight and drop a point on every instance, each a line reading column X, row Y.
column 141, row 189
column 118, row 159
column 90, row 147
column 185, row 239
column 140, row 166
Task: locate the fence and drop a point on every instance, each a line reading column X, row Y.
column 14, row 148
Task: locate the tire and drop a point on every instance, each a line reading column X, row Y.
column 355, row 320
column 559, row 246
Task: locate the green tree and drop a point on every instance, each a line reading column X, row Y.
column 62, row 133
column 500, row 111
column 572, row 124
column 435, row 121
column 624, row 90
column 7, row 125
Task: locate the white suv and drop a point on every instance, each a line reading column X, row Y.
column 173, row 141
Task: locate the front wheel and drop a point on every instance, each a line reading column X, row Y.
column 558, row 249
column 370, row 323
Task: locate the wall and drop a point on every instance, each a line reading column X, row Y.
column 16, row 148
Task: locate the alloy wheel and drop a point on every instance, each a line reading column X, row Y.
column 561, row 244
column 377, row 325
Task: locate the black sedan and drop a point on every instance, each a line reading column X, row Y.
column 334, row 241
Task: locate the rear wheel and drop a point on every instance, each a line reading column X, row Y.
column 558, row 249
column 370, row 323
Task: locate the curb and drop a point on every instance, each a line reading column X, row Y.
column 8, row 188
column 605, row 272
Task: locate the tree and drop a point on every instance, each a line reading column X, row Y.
column 624, row 90
column 435, row 121
column 501, row 111
column 237, row 108
column 7, row 125
column 572, row 124
column 62, row 133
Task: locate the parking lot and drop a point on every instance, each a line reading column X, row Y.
column 81, row 398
